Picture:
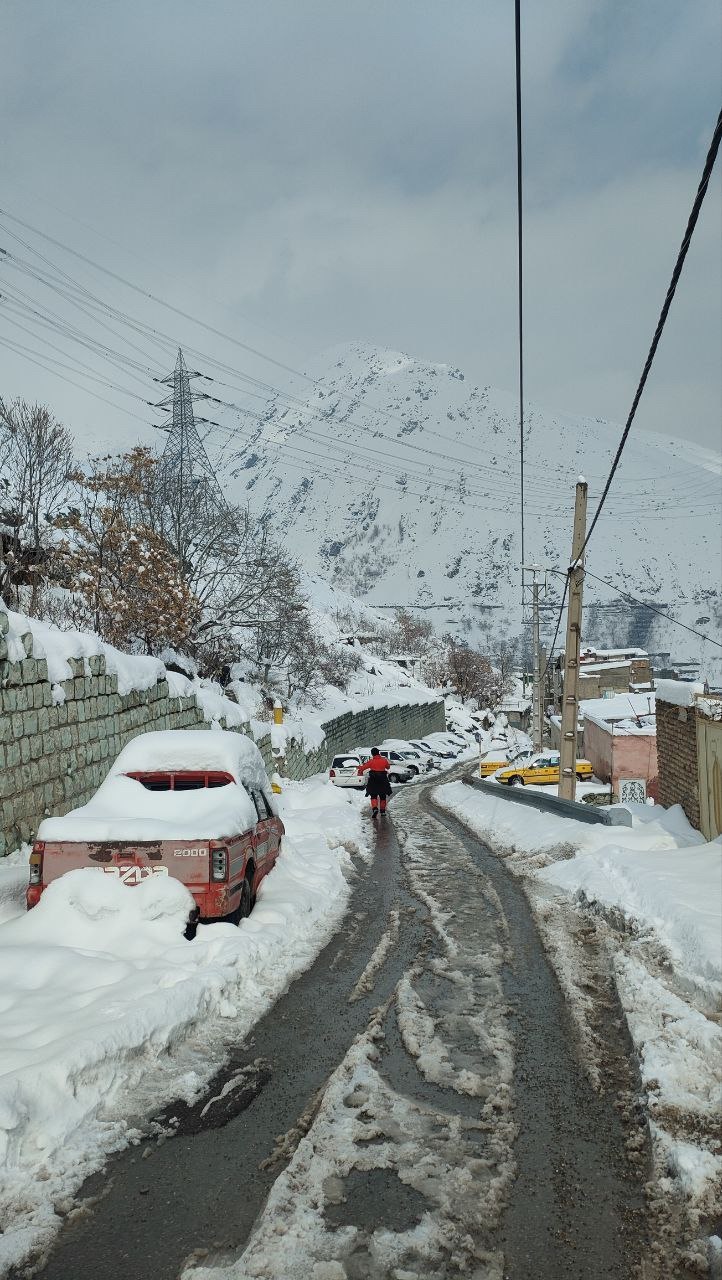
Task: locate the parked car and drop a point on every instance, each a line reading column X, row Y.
column 427, row 752
column 399, row 751
column 541, row 769
column 441, row 746
column 490, row 764
column 194, row 804
column 344, row 769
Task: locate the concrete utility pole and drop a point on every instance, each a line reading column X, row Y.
column 570, row 698
column 537, row 720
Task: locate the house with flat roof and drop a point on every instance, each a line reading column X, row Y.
column 620, row 741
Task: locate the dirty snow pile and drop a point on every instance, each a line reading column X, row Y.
column 658, row 885
column 101, row 995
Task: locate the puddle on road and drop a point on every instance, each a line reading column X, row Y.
column 375, row 1200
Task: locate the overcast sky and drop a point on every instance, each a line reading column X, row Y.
column 305, row 172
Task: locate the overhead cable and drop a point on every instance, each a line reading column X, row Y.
column 517, row 45
column 686, row 240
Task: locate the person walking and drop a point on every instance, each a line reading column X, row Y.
column 378, row 786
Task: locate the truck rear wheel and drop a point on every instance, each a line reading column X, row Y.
column 245, row 906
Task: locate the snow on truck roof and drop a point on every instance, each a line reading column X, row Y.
column 176, row 750
column 123, row 809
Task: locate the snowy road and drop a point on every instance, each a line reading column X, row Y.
column 413, row 1106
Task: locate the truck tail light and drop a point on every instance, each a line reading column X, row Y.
column 332, row 773
column 36, row 862
column 219, row 864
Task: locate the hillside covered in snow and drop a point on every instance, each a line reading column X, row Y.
column 397, row 480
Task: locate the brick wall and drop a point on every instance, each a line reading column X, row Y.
column 677, row 758
column 54, row 754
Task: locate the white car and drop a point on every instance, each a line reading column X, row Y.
column 427, row 752
column 442, row 746
column 403, row 753
column 344, row 769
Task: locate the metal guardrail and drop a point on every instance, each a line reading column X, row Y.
column 613, row 816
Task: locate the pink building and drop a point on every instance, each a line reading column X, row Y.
column 620, row 739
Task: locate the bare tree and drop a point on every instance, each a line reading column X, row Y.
column 466, row 671
column 36, row 467
column 122, row 576
column 507, row 660
column 228, row 561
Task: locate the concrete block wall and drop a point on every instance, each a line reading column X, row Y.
column 54, row 755
column 677, row 758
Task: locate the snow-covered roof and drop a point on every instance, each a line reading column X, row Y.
column 681, row 693
column 515, row 704
column 592, row 668
column 603, row 654
column 636, row 711
column 190, row 749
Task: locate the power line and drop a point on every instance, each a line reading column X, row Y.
column 517, row 44
column 269, row 388
column 691, row 224
column 13, row 346
column 633, row 600
column 165, row 342
column 148, row 333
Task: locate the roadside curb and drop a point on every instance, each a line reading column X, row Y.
column 614, row 816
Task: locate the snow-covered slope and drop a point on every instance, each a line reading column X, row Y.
column 397, row 481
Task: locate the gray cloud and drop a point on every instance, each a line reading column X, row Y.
column 307, row 172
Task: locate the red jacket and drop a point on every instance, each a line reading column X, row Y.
column 379, row 764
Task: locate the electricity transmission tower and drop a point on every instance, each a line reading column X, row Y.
column 190, row 499
column 184, row 463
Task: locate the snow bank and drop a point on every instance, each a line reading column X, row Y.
column 674, row 893
column 101, row 993
column 133, row 670
column 660, row 874
column 659, row 885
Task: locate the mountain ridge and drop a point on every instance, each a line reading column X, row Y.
column 396, row 479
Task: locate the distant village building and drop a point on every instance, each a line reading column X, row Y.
column 689, row 733
column 517, row 711
column 605, row 672
column 620, row 742
column 613, row 671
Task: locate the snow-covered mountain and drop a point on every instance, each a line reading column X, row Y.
column 397, row 480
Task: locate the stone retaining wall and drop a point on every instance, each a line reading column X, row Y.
column 54, row 754
column 363, row 729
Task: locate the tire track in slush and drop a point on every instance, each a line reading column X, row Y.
column 577, row 1208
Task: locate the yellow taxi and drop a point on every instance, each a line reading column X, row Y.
column 539, row 770
column 489, row 766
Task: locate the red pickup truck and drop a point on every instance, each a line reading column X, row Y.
column 189, row 803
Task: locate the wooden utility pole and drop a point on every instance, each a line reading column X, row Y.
column 543, row 683
column 570, row 696
column 537, row 721
column 536, row 691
